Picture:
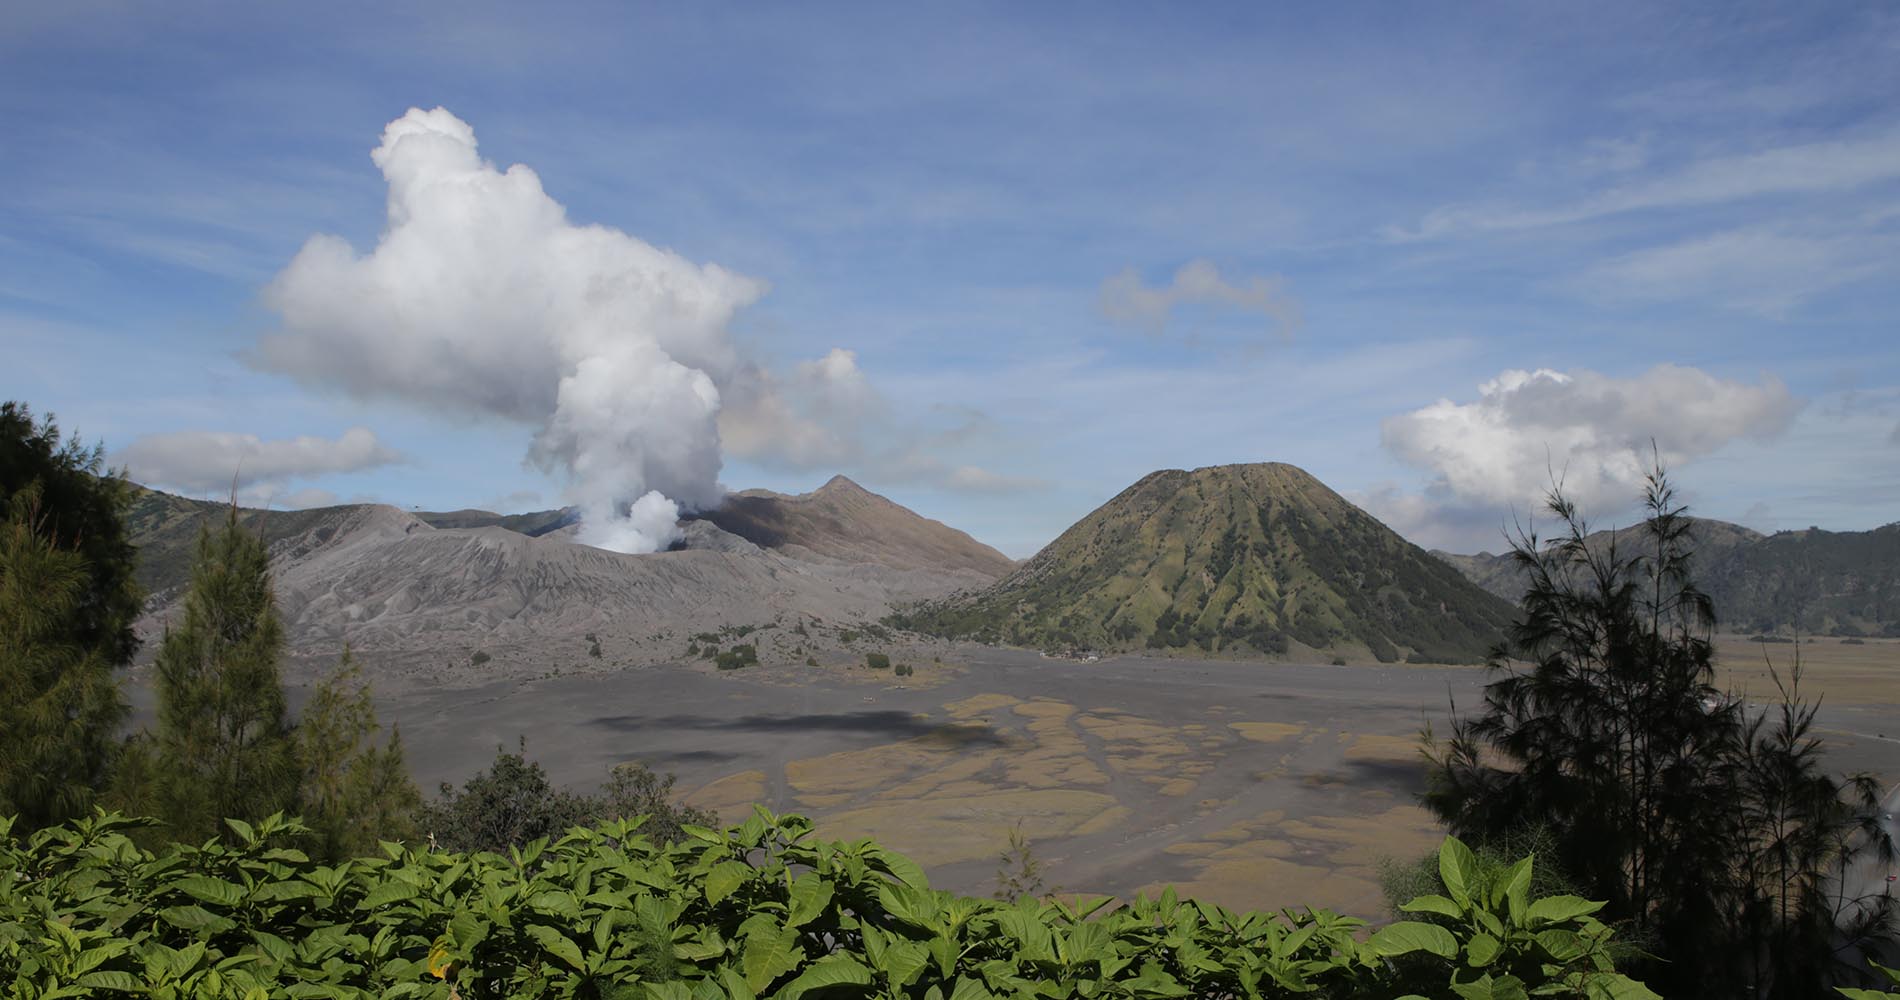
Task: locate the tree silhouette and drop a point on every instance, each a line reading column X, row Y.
column 1712, row 832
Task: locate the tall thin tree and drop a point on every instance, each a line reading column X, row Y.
column 224, row 744
column 354, row 792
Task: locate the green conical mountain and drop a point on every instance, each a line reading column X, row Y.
column 1233, row 559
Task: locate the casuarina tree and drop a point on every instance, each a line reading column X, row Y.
column 1711, row 831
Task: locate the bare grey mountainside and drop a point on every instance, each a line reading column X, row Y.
column 403, row 592
column 845, row 522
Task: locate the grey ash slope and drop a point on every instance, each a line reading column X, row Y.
column 394, row 587
column 1244, row 560
column 846, row 522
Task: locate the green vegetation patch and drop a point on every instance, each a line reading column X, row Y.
column 738, row 657
column 759, row 910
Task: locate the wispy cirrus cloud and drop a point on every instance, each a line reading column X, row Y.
column 1761, row 270
column 1805, row 168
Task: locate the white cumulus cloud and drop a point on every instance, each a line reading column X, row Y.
column 1591, row 430
column 482, row 298
column 210, row 461
column 1126, row 298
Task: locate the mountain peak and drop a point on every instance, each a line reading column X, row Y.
column 844, row 521
column 841, row 486
column 1254, row 559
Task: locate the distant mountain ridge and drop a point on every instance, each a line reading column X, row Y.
column 534, row 524
column 1251, row 559
column 1844, row 583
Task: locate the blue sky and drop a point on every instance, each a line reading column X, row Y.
column 1065, row 244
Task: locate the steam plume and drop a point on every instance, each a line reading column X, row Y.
column 481, row 298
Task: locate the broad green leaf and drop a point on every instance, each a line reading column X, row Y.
column 917, row 907
column 387, row 893
column 1487, row 988
column 467, row 930
column 1432, row 903
column 1561, row 944
column 555, row 943
column 604, row 930
column 901, row 868
column 1615, row 986
column 768, row 955
column 210, row 890
column 187, row 958
column 673, row 990
column 556, row 903
column 810, row 895
column 1482, row 950
column 736, row 986
column 1154, row 981
column 278, row 949
column 1557, row 909
column 274, row 892
column 725, row 878
column 1408, row 936
column 1457, row 866
column 826, row 973
column 969, row 989
column 1517, row 889
column 107, row 979
column 1087, row 941
column 903, row 961
column 196, row 919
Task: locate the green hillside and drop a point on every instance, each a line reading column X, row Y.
column 1832, row 582
column 1235, row 559
column 165, row 529
column 1843, row 583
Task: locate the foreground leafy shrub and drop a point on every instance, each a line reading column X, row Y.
column 760, row 910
